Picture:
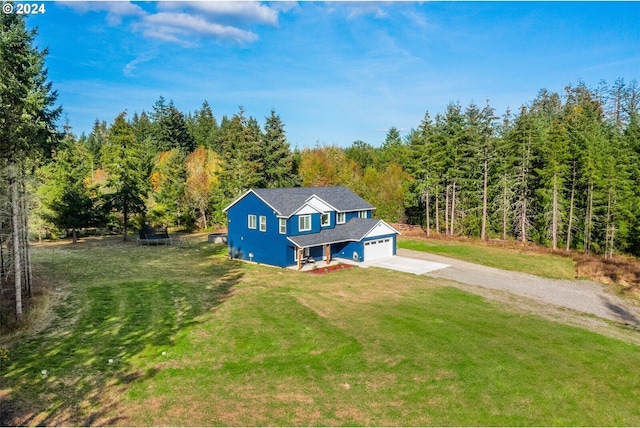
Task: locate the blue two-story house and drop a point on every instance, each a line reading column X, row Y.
column 284, row 227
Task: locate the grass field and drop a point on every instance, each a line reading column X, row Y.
column 196, row 339
column 520, row 260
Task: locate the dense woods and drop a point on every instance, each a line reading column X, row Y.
column 562, row 171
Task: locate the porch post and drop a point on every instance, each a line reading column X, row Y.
column 327, row 252
column 299, row 250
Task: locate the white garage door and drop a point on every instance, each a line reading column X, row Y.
column 378, row 249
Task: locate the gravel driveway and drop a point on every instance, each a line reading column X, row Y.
column 586, row 297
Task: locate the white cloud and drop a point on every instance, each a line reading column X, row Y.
column 245, row 11
column 186, row 22
column 181, row 27
column 357, row 9
column 116, row 10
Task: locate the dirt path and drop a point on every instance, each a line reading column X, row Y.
column 585, row 297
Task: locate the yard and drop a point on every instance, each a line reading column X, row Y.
column 183, row 336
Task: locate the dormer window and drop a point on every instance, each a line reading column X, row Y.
column 341, row 218
column 325, row 220
column 362, row 214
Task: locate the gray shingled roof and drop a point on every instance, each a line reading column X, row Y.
column 354, row 230
column 288, row 200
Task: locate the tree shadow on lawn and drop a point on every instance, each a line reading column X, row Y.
column 88, row 361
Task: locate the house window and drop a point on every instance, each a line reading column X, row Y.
column 304, row 223
column 252, row 221
column 325, row 220
column 362, row 214
column 263, row 223
column 341, row 218
column 282, row 223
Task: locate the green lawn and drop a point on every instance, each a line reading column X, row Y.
column 536, row 263
column 196, row 339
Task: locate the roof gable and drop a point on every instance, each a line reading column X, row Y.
column 286, row 201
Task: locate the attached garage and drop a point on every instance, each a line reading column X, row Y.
column 378, row 248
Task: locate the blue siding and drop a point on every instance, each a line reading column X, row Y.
column 269, row 247
column 273, row 248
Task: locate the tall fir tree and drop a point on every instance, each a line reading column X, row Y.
column 27, row 131
column 277, row 158
column 124, row 160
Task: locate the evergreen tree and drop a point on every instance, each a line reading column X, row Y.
column 167, row 204
column 97, row 138
column 243, row 168
column 553, row 172
column 124, row 161
column 203, row 126
column 393, row 150
column 363, row 154
column 65, row 193
column 27, row 133
column 278, row 159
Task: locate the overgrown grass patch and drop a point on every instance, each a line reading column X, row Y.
column 537, row 263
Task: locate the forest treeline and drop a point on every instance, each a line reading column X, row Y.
column 562, row 171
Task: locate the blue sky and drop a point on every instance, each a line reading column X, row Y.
column 335, row 72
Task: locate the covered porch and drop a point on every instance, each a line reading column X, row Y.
column 316, row 256
column 320, row 264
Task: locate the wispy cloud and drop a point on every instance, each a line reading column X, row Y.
column 244, row 11
column 182, row 28
column 185, row 23
column 129, row 69
column 116, row 10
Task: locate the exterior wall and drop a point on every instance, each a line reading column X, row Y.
column 269, row 247
column 348, row 249
column 354, row 214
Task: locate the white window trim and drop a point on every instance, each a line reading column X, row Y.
column 362, row 214
column 328, row 223
column 341, row 218
column 282, row 226
column 251, row 220
column 263, row 223
column 301, row 220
